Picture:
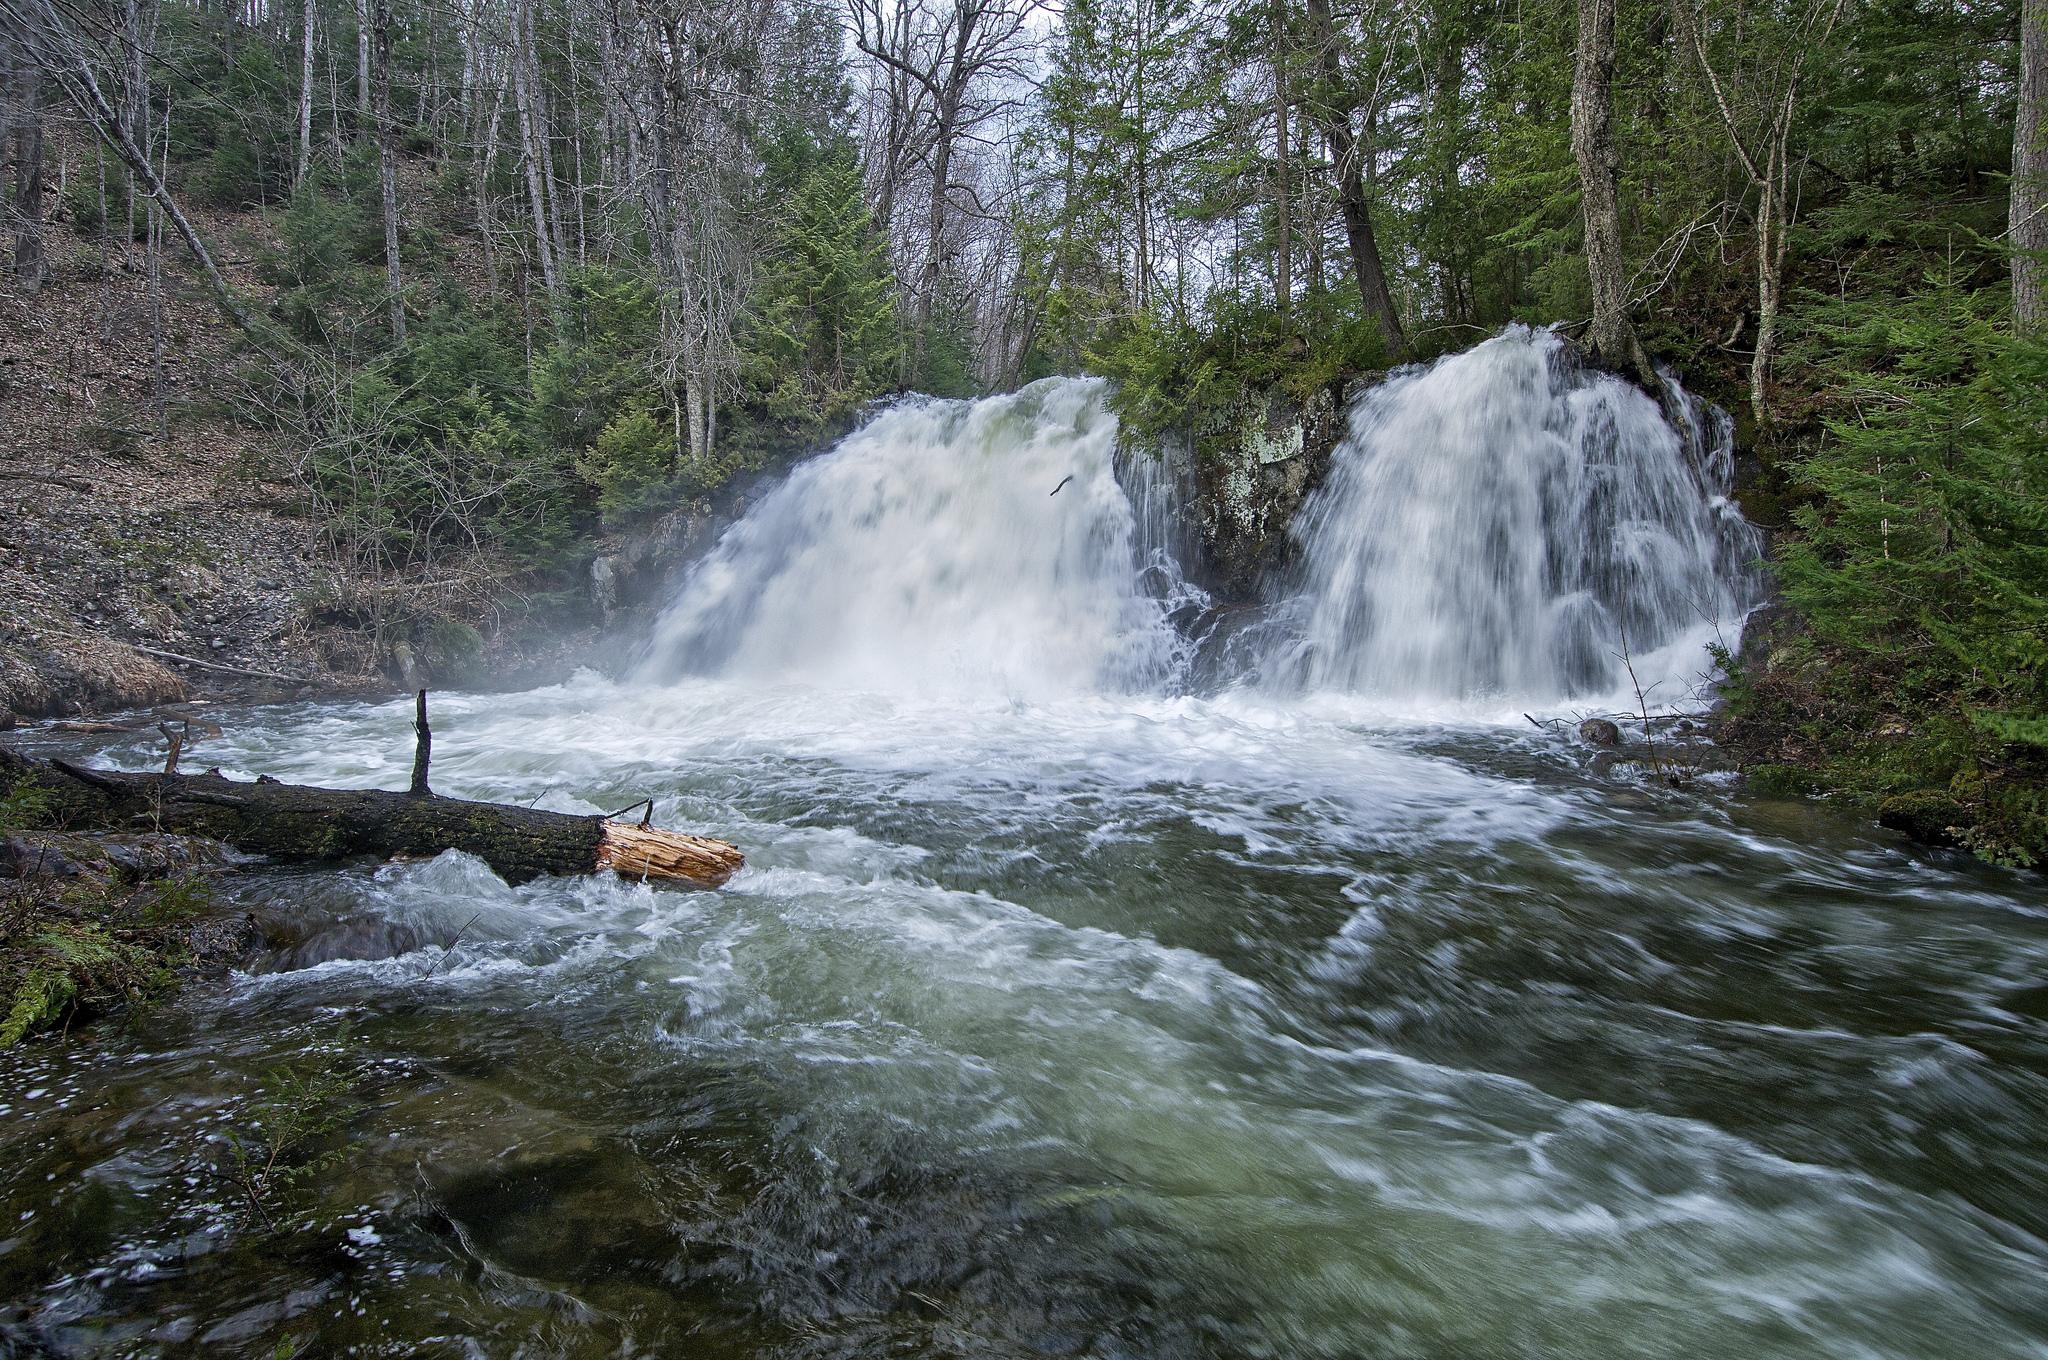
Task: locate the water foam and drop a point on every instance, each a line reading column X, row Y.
column 1507, row 523
column 950, row 547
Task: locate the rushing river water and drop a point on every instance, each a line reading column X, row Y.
column 1062, row 1009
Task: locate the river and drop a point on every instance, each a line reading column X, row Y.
column 1064, row 1007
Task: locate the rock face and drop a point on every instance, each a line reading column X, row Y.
column 1248, row 466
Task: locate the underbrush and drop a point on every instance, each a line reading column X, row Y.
column 1808, row 719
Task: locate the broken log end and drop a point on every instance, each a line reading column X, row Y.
column 649, row 854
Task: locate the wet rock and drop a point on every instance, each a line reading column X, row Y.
column 406, row 666
column 1599, row 732
column 604, row 586
column 21, row 857
column 1928, row 816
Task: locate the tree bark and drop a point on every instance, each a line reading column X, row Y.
column 1334, row 113
column 531, row 143
column 1614, row 337
column 387, row 169
column 297, row 822
column 1283, row 256
column 31, row 265
column 305, row 161
column 362, row 66
column 2027, row 216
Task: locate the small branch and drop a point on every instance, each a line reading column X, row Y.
column 217, row 666
column 449, row 948
column 53, row 478
column 423, row 747
column 177, row 741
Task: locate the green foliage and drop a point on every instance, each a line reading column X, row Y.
column 601, row 360
column 98, row 172
column 1929, row 537
column 231, row 177
column 71, row 963
column 631, row 463
column 1170, row 377
column 324, row 296
column 1920, row 565
column 287, row 1136
column 25, row 806
column 173, row 900
column 823, row 334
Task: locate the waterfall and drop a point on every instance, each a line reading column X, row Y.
column 966, row 547
column 1508, row 524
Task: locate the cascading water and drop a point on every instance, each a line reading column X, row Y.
column 1508, row 523
column 966, row 547
column 1059, row 1012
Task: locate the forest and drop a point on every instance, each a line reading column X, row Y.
column 1321, row 679
column 533, row 265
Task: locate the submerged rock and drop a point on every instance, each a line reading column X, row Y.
column 1599, row 732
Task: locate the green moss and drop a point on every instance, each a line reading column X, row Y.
column 1780, row 781
column 25, row 806
column 40, row 1000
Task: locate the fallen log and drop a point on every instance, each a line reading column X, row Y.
column 303, row 822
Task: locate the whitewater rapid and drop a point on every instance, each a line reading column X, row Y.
column 1067, row 1006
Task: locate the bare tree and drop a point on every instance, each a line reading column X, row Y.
column 1283, row 249
column 60, row 54
column 31, row 266
column 387, row 169
column 305, row 161
column 1758, row 117
column 936, row 59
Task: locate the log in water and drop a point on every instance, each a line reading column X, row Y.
column 297, row 822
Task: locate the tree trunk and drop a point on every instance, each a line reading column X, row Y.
column 298, row 822
column 1283, row 256
column 31, row 266
column 362, row 66
column 305, row 162
column 387, row 170
column 1614, row 338
column 2027, row 216
column 82, row 88
column 1333, row 111
column 530, row 155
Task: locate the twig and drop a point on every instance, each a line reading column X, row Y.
column 53, row 478
column 449, row 948
column 1642, row 704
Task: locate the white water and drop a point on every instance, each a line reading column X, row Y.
column 1060, row 1013
column 1504, row 525
column 945, row 547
